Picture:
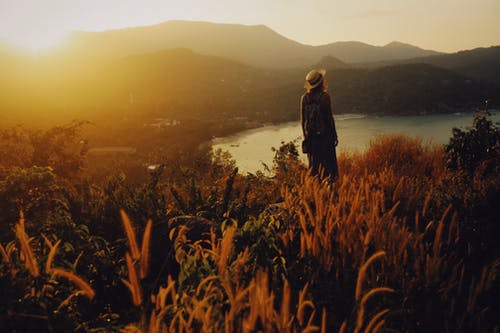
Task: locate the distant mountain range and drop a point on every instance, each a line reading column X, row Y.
column 480, row 63
column 254, row 45
column 182, row 84
column 256, row 74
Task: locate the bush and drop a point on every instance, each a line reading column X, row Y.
column 475, row 148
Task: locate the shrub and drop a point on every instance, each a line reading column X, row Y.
column 477, row 147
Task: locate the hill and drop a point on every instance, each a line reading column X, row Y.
column 331, row 63
column 255, row 45
column 408, row 89
column 480, row 63
column 357, row 52
column 185, row 85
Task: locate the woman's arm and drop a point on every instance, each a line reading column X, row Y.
column 301, row 115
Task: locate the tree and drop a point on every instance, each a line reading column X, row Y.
column 475, row 147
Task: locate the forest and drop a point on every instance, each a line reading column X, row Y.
column 406, row 240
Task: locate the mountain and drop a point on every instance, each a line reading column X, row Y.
column 480, row 63
column 256, row 45
column 182, row 84
column 357, row 52
column 331, row 63
column 408, row 89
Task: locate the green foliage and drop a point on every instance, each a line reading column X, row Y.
column 216, row 232
column 34, row 190
column 473, row 187
column 477, row 147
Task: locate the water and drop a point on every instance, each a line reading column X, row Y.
column 252, row 148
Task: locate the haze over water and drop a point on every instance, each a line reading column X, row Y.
column 252, row 148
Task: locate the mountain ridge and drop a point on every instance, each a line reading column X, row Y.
column 183, row 84
column 256, row 45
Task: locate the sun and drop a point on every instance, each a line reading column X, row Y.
column 35, row 41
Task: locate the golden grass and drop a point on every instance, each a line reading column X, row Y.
column 357, row 218
column 134, row 256
column 29, row 257
column 144, row 264
column 364, row 300
column 362, row 272
column 5, row 256
column 375, row 320
column 30, row 260
column 133, row 282
column 352, row 231
column 224, row 250
column 85, row 288
column 51, row 256
column 129, row 231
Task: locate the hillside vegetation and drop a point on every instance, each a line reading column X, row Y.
column 184, row 85
column 405, row 240
column 212, row 72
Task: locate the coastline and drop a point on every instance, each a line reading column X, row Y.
column 251, row 148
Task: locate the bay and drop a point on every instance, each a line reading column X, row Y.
column 253, row 147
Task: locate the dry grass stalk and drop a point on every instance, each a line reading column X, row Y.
column 133, row 282
column 375, row 320
column 302, row 304
column 76, row 280
column 5, row 256
column 29, row 258
column 224, row 251
column 50, row 258
column 129, row 231
column 343, row 327
column 47, row 241
column 144, row 263
column 378, row 326
column 323, row 321
column 68, row 299
column 439, row 231
column 362, row 306
column 426, row 202
column 362, row 272
column 285, row 318
column 77, row 260
column 21, row 219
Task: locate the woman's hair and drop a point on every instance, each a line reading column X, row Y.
column 322, row 87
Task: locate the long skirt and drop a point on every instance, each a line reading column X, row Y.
column 323, row 158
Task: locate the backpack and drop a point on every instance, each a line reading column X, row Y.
column 312, row 114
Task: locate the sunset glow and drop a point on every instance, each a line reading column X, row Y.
column 446, row 25
column 249, row 166
column 36, row 41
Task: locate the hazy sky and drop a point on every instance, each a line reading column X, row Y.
column 444, row 25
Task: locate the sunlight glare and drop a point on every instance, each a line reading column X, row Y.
column 36, row 41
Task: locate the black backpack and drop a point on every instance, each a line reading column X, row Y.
column 311, row 108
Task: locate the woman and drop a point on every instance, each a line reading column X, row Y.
column 318, row 126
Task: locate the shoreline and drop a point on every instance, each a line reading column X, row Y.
column 251, row 148
column 342, row 117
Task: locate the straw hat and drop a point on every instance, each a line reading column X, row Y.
column 314, row 78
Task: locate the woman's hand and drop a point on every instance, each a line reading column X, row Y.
column 335, row 142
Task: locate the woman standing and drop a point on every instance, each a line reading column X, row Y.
column 318, row 126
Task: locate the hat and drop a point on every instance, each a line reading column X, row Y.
column 314, row 78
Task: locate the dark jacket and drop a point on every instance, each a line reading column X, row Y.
column 329, row 131
column 322, row 149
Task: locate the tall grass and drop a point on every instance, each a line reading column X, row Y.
column 380, row 249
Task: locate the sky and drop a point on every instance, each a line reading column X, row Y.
column 442, row 25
